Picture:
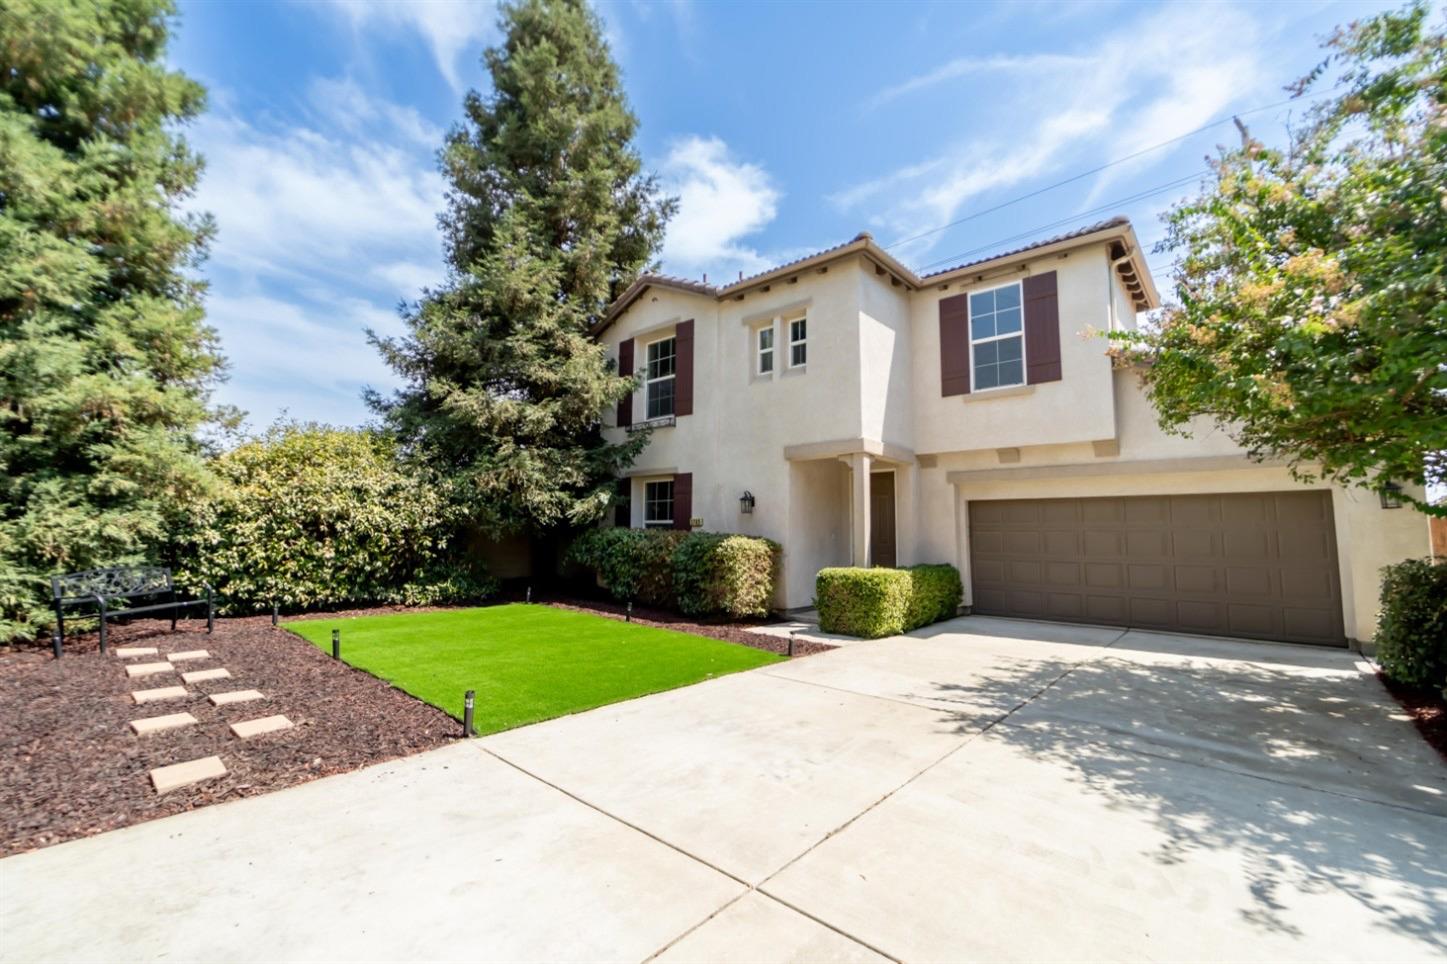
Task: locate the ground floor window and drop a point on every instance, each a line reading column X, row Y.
column 658, row 505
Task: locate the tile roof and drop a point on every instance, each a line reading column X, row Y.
column 862, row 242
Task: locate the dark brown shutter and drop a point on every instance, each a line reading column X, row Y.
column 1042, row 328
column 955, row 345
column 683, row 369
column 622, row 506
column 682, row 500
column 625, row 368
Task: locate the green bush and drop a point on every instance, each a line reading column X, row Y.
column 1411, row 638
column 697, row 573
column 311, row 516
column 731, row 575
column 935, row 594
column 885, row 602
column 862, row 602
column 634, row 564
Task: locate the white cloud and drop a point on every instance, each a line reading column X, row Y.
column 721, row 201
column 298, row 201
column 448, row 26
column 308, row 359
column 322, row 228
column 1160, row 76
column 964, row 66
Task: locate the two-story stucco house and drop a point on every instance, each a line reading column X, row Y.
column 860, row 414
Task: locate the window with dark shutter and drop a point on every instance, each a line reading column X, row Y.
column 1042, row 328
column 955, row 345
column 683, row 500
column 625, row 368
column 683, row 382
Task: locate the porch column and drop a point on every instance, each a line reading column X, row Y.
column 859, row 466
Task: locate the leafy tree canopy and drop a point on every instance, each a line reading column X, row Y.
column 1311, row 321
column 105, row 359
column 548, row 217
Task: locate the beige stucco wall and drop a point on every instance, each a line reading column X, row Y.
column 1078, row 408
column 873, row 374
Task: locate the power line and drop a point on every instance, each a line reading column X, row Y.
column 1091, row 212
column 1096, row 170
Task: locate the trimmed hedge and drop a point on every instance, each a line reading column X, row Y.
column 885, row 602
column 696, row 573
column 935, row 594
column 1411, row 637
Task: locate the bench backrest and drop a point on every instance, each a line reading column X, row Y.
column 123, row 581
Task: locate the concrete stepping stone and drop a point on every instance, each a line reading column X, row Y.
column 178, row 775
column 155, row 724
column 125, row 652
column 148, row 669
column 188, row 655
column 201, row 675
column 164, row 693
column 246, row 729
column 235, row 696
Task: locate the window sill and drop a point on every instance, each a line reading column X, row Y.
column 667, row 421
column 1012, row 392
column 796, row 370
column 761, row 377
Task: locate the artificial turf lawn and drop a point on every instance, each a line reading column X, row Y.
column 526, row 662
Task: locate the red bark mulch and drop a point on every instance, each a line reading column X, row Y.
column 733, row 632
column 71, row 767
column 1426, row 707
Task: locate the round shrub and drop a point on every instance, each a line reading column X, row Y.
column 862, row 602
column 632, row 564
column 935, row 594
column 1411, row 639
column 730, row 575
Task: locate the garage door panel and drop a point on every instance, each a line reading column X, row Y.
column 1101, row 543
column 1104, row 575
column 1151, row 543
column 1257, row 565
column 1246, row 543
column 1064, row 574
column 1249, row 581
column 1148, row 577
column 1062, row 544
column 1193, row 579
column 1195, row 543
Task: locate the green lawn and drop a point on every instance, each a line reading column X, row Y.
column 527, row 663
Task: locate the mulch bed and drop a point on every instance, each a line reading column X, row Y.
column 1426, row 707
column 733, row 632
column 71, row 767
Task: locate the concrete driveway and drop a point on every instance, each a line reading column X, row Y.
column 982, row 789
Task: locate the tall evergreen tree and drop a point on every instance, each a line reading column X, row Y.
column 548, row 217
column 105, row 359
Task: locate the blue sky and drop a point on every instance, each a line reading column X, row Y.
column 782, row 127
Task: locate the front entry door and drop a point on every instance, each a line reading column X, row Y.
column 881, row 517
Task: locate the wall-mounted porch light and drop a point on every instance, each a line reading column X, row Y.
column 1391, row 495
column 746, row 502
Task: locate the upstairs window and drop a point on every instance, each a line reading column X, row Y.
column 997, row 339
column 766, row 350
column 659, row 377
column 798, row 342
column 658, row 505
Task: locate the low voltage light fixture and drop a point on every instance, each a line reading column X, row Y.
column 1391, row 495
column 746, row 502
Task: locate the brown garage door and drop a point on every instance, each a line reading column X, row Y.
column 1261, row 565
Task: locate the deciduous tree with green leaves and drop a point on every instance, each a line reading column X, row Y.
column 548, row 217
column 1311, row 314
column 105, row 358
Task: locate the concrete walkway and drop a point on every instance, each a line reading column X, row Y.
column 982, row 789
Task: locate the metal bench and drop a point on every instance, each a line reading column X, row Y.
column 102, row 587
